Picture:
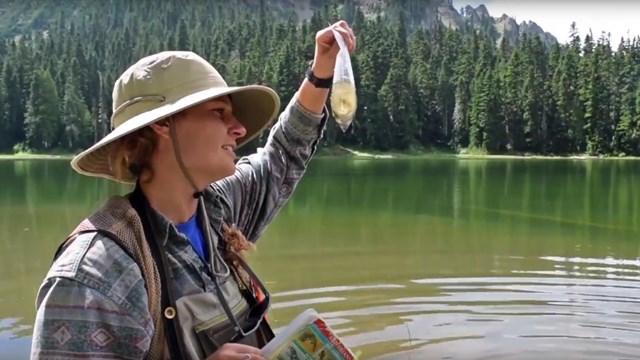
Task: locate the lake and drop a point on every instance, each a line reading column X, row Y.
column 432, row 258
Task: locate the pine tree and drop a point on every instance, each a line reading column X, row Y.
column 42, row 119
column 424, row 79
column 396, row 94
column 77, row 123
column 6, row 127
column 430, row 87
column 512, row 105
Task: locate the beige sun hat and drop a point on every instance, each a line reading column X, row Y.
column 163, row 84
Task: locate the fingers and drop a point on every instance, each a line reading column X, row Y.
column 347, row 34
column 234, row 351
column 343, row 24
column 243, row 349
column 325, row 38
column 244, row 357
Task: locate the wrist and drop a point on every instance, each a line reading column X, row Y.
column 321, row 69
column 321, row 81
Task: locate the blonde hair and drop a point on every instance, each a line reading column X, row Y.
column 133, row 152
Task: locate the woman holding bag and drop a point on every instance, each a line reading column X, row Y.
column 159, row 273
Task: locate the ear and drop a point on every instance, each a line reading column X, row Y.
column 161, row 128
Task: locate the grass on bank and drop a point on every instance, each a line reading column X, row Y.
column 28, row 155
column 341, row 151
column 21, row 151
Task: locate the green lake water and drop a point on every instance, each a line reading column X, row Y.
column 437, row 258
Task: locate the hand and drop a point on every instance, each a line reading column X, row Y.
column 327, row 48
column 232, row 351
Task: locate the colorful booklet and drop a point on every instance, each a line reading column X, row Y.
column 307, row 337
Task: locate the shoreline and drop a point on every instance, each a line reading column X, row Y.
column 428, row 153
column 28, row 156
column 343, row 152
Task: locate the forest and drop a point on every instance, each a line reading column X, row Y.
column 418, row 89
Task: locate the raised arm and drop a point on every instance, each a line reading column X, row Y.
column 264, row 181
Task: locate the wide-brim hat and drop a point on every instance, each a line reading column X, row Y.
column 163, row 84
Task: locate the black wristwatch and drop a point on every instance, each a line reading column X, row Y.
column 317, row 82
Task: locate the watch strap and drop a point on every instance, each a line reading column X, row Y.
column 318, row 82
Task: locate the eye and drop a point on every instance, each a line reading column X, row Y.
column 219, row 112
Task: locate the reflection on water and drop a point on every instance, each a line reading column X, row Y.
column 581, row 313
column 416, row 259
column 41, row 201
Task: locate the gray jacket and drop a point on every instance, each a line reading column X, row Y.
column 93, row 304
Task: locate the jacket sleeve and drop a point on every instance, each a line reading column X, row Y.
column 265, row 180
column 74, row 320
column 92, row 305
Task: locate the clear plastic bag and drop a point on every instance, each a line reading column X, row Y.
column 344, row 101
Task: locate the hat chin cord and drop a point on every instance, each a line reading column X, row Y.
column 214, row 254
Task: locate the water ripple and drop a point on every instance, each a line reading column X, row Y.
column 569, row 312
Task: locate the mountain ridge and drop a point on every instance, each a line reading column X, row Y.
column 426, row 13
column 21, row 17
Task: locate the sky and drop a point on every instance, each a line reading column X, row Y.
column 621, row 18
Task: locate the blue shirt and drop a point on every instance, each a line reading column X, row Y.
column 192, row 231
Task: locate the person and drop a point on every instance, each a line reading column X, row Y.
column 160, row 272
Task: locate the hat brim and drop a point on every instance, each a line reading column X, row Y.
column 253, row 105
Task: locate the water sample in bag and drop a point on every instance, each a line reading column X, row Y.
column 344, row 101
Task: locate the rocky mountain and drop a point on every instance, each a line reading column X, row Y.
column 425, row 13
column 27, row 15
column 503, row 26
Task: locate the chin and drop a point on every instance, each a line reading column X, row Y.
column 224, row 172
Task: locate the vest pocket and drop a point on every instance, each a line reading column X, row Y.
column 204, row 325
column 215, row 332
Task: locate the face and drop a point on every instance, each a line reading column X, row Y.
column 207, row 135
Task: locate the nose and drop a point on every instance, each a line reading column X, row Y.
column 236, row 129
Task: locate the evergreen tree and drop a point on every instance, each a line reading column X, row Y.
column 416, row 87
column 77, row 125
column 396, row 94
column 42, row 119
